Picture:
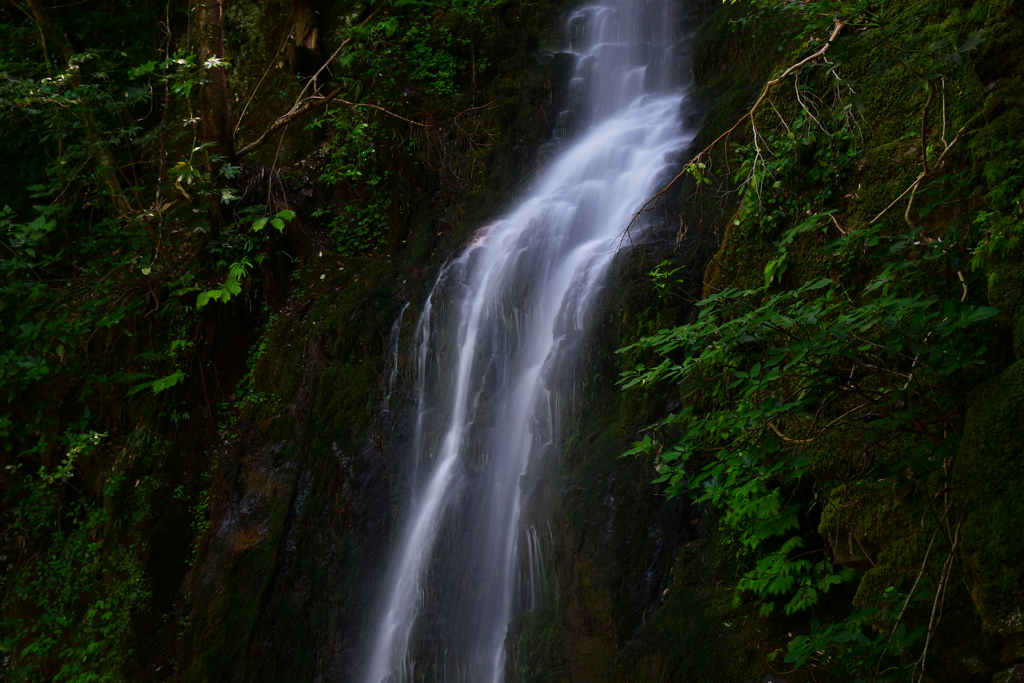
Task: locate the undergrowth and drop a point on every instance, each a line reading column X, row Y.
column 827, row 366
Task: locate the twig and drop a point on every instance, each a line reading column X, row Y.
column 944, row 112
column 749, row 115
column 334, row 54
column 823, row 429
column 924, row 129
column 282, row 121
column 838, row 227
column 785, row 125
column 389, row 113
column 896, row 201
column 257, row 88
column 940, row 591
column 920, row 573
column 301, row 106
column 921, row 176
column 910, row 202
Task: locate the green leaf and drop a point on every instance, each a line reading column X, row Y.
column 177, row 377
column 775, row 268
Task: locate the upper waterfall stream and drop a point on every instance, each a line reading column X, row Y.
column 501, row 316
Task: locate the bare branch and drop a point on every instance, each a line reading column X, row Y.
column 301, row 105
column 749, row 115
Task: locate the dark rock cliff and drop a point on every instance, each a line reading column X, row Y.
column 308, row 488
column 305, row 497
column 308, row 482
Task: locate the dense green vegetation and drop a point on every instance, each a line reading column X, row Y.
column 155, row 154
column 205, row 237
column 858, row 300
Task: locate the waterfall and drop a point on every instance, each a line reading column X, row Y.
column 534, row 588
column 393, row 338
column 502, row 316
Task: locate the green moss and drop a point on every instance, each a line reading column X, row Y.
column 696, row 633
column 989, row 477
column 325, row 359
column 1006, row 291
column 303, row 502
column 882, row 527
column 535, row 648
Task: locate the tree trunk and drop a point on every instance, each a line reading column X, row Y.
column 217, row 127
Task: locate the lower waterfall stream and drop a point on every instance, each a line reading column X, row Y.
column 501, row 317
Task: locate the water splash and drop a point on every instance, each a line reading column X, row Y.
column 501, row 319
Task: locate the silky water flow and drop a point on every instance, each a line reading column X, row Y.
column 502, row 317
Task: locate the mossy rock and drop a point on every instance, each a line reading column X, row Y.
column 988, row 481
column 1006, row 291
column 534, row 648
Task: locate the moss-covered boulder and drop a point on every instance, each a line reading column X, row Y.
column 989, row 488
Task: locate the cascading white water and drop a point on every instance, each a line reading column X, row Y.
column 396, row 329
column 500, row 318
column 535, row 577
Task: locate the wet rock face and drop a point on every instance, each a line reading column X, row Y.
column 608, row 541
column 305, row 500
column 279, row 591
column 306, row 492
column 1014, row 674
